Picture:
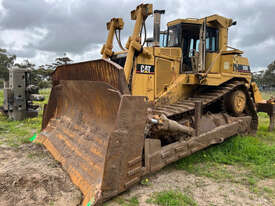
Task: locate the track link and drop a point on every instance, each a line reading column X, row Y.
column 207, row 95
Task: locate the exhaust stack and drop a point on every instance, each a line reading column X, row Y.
column 157, row 14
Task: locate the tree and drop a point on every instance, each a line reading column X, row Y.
column 269, row 75
column 58, row 62
column 6, row 62
column 266, row 78
column 258, row 77
column 25, row 64
column 62, row 60
column 40, row 76
column 43, row 75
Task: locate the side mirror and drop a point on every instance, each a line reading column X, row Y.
column 234, row 23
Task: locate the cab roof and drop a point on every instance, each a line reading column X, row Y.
column 213, row 20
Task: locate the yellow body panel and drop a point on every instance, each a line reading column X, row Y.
column 227, row 62
column 212, row 58
column 172, row 53
column 257, row 94
column 241, row 60
column 166, row 63
column 164, row 74
column 176, row 91
column 166, row 83
column 144, row 84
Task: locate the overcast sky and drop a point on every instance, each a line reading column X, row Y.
column 41, row 30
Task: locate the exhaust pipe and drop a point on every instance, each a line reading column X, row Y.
column 157, row 14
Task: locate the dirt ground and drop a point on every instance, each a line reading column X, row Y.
column 30, row 176
column 204, row 191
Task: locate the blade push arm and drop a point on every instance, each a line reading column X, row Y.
column 133, row 44
column 112, row 26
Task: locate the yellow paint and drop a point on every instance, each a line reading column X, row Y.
column 165, row 74
column 212, row 58
column 140, row 14
column 177, row 90
column 256, row 93
column 167, row 84
column 226, row 65
column 171, row 53
column 112, row 26
column 144, row 84
column 211, row 21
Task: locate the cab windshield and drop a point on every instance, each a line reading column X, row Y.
column 187, row 37
column 173, row 37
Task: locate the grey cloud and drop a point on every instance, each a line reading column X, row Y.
column 24, row 14
column 77, row 26
column 69, row 30
column 255, row 23
column 76, row 29
column 23, row 53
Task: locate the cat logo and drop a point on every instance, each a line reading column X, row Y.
column 145, row 69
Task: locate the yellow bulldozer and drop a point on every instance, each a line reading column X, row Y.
column 114, row 120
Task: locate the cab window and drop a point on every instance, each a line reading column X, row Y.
column 163, row 39
column 173, row 37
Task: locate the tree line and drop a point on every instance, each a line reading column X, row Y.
column 265, row 79
column 40, row 76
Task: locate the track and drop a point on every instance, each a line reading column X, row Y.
column 208, row 96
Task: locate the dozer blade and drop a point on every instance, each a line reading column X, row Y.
column 96, row 132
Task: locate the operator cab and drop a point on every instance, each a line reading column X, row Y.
column 188, row 34
column 187, row 37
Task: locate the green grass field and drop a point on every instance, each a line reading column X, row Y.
column 268, row 94
column 14, row 133
column 256, row 153
column 241, row 159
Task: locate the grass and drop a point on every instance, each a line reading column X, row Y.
column 246, row 151
column 262, row 134
column 15, row 133
column 254, row 153
column 240, row 159
column 1, row 97
column 268, row 94
column 172, row 198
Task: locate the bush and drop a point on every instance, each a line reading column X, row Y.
column 44, row 84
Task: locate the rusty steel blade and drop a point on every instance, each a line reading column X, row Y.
column 77, row 135
column 97, row 70
column 96, row 130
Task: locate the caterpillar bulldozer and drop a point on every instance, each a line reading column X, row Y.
column 114, row 120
